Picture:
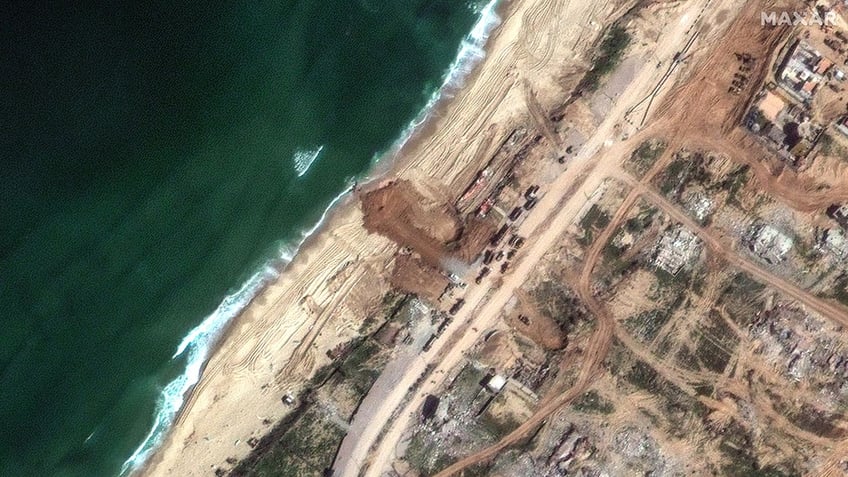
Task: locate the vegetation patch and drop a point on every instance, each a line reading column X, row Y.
column 840, row 289
column 610, row 53
column 733, row 183
column 741, row 299
column 685, row 169
column 560, row 304
column 716, row 342
column 425, row 457
column 645, row 156
column 305, row 445
column 739, row 461
column 809, row 418
column 645, row 326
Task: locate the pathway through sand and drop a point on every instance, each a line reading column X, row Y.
column 543, row 227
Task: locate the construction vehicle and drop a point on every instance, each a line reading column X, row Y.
column 483, row 273
column 516, row 213
column 457, row 306
column 488, row 256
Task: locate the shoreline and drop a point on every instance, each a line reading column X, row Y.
column 386, row 163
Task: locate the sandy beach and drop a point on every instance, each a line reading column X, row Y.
column 341, row 273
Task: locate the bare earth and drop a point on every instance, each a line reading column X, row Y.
column 319, row 301
column 680, row 62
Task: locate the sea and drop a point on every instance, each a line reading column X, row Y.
column 161, row 162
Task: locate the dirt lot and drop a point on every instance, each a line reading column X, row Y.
column 412, row 275
column 669, row 367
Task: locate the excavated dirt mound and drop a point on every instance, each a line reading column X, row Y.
column 412, row 275
column 415, row 216
column 475, row 236
column 402, row 213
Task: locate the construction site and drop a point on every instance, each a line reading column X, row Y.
column 644, row 277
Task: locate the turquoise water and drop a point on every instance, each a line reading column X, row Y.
column 160, row 161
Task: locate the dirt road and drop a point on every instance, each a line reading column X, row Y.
column 544, row 227
column 726, row 250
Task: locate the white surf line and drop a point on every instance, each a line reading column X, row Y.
column 200, row 341
column 304, row 158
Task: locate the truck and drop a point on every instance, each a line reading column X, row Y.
column 515, row 214
column 499, row 235
column 457, row 306
column 483, row 274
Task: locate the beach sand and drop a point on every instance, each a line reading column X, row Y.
column 341, row 273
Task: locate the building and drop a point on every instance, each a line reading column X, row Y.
column 700, row 205
column 495, row 383
column 839, row 213
column 835, row 242
column 803, row 71
column 775, row 134
column 770, row 244
column 823, row 66
column 677, row 248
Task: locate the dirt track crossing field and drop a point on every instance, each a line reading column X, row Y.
column 677, row 123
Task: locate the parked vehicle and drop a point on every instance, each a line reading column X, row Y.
column 483, row 273
column 457, row 306
column 488, row 256
column 531, row 192
column 499, row 235
column 516, row 213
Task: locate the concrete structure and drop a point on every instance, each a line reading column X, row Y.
column 700, row 205
column 677, row 248
column 842, row 125
column 803, row 71
column 839, row 213
column 835, row 242
column 770, row 244
column 495, row 383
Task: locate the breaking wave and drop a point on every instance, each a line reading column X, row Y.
column 304, row 158
column 199, row 343
column 469, row 55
